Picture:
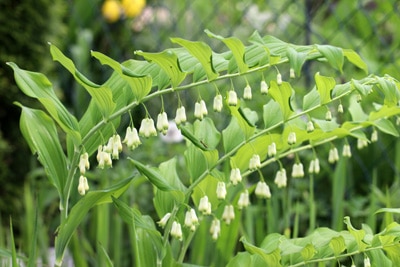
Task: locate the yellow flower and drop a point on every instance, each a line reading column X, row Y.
column 133, row 8
column 111, row 10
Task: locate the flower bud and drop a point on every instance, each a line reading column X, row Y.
column 346, row 151
column 279, row 79
column 176, row 230
column 264, row 88
column 83, row 185
column 340, row 108
column 262, row 190
column 197, row 111
column 232, row 98
column 191, row 219
column 314, row 166
column 328, row 115
column 84, row 163
column 292, row 138
column 221, row 190
column 292, row 74
column 310, row 126
column 205, row 206
column 272, row 149
column 229, row 214
column 244, row 200
column 116, row 146
column 254, row 163
column 180, row 115
column 235, row 176
column 374, row 136
column 164, row 220
column 333, row 155
column 215, row 229
column 218, row 103
column 162, row 123
column 361, row 143
column 247, row 92
column 280, row 178
column 367, row 262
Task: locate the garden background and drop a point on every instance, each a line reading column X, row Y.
column 368, row 27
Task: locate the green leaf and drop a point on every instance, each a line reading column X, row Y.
column 154, row 176
column 237, row 48
column 324, row 86
column 311, row 99
column 13, row 250
column 140, row 85
column 232, row 135
column 202, row 52
column 338, row 245
column 308, row 252
column 100, row 94
column 333, row 54
column 355, row 59
column 206, row 132
column 389, row 210
column 196, row 162
column 165, row 201
column 36, row 85
column 168, row 61
column 272, row 114
column 357, row 234
column 104, row 255
column 187, row 131
column 271, row 259
column 296, row 59
column 281, row 94
column 79, row 212
column 389, row 90
column 240, row 259
column 386, row 126
column 40, row 131
column 244, row 125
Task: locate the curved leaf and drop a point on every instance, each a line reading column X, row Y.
column 281, row 94
column 324, row 86
column 333, row 54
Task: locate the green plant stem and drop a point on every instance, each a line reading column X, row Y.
column 342, row 255
column 185, row 247
column 312, row 217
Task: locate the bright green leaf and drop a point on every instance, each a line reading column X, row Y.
column 338, row 245
column 168, row 61
column 36, row 85
column 232, row 135
column 206, row 132
column 308, row 252
column 281, row 94
column 354, row 58
column 357, row 234
column 202, row 52
column 154, row 176
column 389, row 90
column 244, row 125
column 296, row 59
column 333, row 54
column 237, row 48
column 324, row 86
column 196, row 162
column 272, row 114
column 386, row 126
column 270, row 259
column 311, row 99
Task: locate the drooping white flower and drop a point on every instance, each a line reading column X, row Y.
column 116, row 146
column 221, row 190
column 103, row 158
column 83, row 185
column 109, row 147
column 247, row 92
column 279, row 79
column 162, row 123
column 340, row 108
column 191, row 219
column 374, row 136
column 281, row 178
column 244, row 200
column 147, row 128
column 232, row 98
column 176, row 230
column 203, row 108
column 205, row 206
column 215, row 229
column 163, row 221
column 298, row 170
column 262, row 190
column 292, row 138
column 272, row 149
column 180, row 115
column 361, row 143
column 235, row 176
column 217, row 105
column 264, row 87
column 328, row 115
column 314, row 166
column 197, row 111
column 132, row 139
column 84, row 163
column 292, row 74
column 367, row 262
column 310, row 126
column 333, row 155
column 229, row 214
column 346, row 151
column 254, row 162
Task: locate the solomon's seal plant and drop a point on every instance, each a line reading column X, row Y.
column 224, row 163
